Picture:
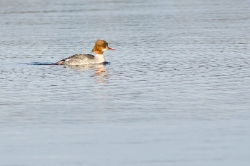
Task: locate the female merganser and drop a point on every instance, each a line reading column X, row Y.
column 88, row 59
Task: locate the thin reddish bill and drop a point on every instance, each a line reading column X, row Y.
column 109, row 48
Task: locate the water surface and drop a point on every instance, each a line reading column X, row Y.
column 176, row 91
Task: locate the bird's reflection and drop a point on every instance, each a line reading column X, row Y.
column 100, row 71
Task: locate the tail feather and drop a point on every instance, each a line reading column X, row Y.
column 60, row 63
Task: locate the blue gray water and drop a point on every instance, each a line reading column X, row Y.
column 176, row 91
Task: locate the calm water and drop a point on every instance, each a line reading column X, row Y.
column 177, row 90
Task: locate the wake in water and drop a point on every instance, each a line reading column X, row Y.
column 42, row 63
column 48, row 63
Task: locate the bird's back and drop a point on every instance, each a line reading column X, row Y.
column 78, row 59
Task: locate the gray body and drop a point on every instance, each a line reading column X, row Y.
column 82, row 59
